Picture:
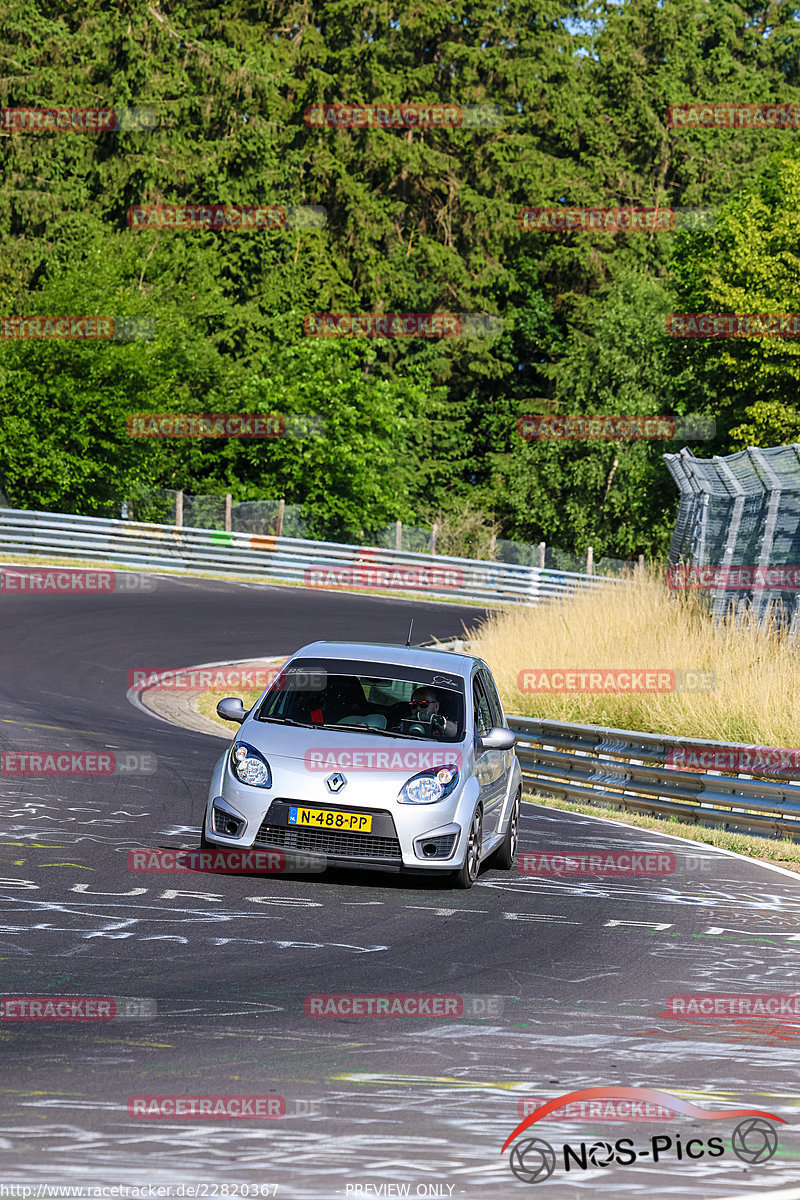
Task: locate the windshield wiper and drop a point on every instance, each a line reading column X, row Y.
column 391, row 733
column 289, row 721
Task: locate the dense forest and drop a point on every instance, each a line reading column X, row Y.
column 562, row 105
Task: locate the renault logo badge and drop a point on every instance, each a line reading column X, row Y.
column 336, row 782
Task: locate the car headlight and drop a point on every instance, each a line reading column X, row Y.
column 429, row 786
column 249, row 766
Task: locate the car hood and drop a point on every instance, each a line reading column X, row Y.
column 329, row 749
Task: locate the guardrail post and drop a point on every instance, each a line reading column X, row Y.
column 179, row 510
column 590, row 561
column 542, row 548
column 398, row 535
column 228, row 512
column 279, row 526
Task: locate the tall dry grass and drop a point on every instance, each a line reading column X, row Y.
column 643, row 625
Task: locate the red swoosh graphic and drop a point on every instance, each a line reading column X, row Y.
column 636, row 1093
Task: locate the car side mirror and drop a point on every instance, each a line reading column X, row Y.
column 498, row 738
column 231, row 709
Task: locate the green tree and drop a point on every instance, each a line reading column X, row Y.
column 750, row 265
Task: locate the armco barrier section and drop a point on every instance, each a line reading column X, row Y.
column 622, row 769
column 318, row 564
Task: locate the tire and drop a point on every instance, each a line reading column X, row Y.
column 205, row 844
column 466, row 876
column 505, row 854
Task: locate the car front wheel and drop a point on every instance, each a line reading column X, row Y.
column 465, row 877
column 506, row 852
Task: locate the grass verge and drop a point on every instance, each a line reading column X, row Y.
column 781, row 853
column 643, row 625
column 206, row 704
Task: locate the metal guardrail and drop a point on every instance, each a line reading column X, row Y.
column 317, row 564
column 617, row 767
column 623, row 769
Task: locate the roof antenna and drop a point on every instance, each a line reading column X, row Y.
column 411, row 626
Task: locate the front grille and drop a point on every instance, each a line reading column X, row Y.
column 337, row 843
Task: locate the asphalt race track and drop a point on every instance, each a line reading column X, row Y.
column 580, row 968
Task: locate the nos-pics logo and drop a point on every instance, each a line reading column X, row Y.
column 533, row 1160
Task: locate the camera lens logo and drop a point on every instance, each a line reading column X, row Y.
column 533, row 1161
column 754, row 1140
column 601, row 1154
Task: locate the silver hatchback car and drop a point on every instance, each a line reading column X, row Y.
column 372, row 756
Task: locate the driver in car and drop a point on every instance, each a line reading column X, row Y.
column 425, row 704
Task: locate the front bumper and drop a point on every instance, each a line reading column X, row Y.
column 425, row 837
column 381, row 845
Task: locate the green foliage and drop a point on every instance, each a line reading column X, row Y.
column 749, row 266
column 417, row 221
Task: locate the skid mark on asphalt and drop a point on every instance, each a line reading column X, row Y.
column 464, row 1132
column 652, row 891
column 95, row 733
column 132, row 919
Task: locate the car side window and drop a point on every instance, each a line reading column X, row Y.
column 483, row 715
column 495, row 707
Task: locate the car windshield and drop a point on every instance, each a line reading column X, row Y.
column 373, row 698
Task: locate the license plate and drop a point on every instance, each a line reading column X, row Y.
column 326, row 818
